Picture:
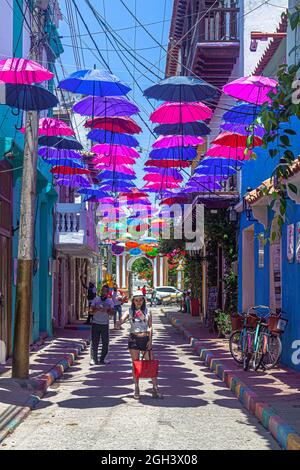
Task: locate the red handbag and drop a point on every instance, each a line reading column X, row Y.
column 146, row 369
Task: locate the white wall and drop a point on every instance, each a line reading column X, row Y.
column 6, row 28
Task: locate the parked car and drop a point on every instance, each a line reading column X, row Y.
column 168, row 294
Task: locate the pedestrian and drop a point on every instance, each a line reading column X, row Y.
column 117, row 300
column 140, row 338
column 91, row 294
column 144, row 291
column 101, row 309
column 153, row 299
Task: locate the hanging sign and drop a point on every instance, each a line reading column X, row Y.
column 298, row 242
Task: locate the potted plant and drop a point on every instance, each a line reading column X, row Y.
column 223, row 322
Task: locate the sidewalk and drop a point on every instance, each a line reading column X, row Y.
column 47, row 364
column 272, row 396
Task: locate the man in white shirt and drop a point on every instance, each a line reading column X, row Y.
column 117, row 307
column 101, row 309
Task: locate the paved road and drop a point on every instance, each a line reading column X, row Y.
column 93, row 408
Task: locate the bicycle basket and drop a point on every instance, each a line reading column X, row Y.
column 277, row 324
column 236, row 322
column 252, row 320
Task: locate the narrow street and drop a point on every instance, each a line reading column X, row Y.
column 92, row 407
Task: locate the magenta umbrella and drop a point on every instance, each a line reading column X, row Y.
column 115, row 150
column 168, row 141
column 117, row 168
column 154, row 177
column 23, row 72
column 173, row 113
column 253, row 89
column 158, row 185
column 227, row 152
column 110, row 160
column 53, row 127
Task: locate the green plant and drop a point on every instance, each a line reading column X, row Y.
column 223, row 322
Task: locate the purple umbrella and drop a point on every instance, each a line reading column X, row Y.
column 259, row 131
column 107, row 106
column 73, row 181
column 167, row 172
column 49, row 153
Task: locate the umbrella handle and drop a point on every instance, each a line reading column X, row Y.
column 17, row 127
column 15, row 113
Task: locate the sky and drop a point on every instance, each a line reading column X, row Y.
column 155, row 15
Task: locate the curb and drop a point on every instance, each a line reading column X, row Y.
column 283, row 433
column 14, row 415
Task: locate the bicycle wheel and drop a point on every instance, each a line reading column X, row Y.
column 273, row 353
column 258, row 354
column 247, row 354
column 236, row 346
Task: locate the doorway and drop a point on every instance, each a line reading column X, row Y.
column 248, row 287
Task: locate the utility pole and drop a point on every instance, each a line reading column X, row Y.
column 23, row 312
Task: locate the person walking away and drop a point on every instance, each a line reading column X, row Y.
column 140, row 339
column 117, row 306
column 101, row 309
column 91, row 294
column 144, row 291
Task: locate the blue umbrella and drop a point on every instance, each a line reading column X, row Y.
column 181, row 88
column 189, row 128
column 65, row 143
column 114, row 175
column 94, row 82
column 65, row 162
column 49, row 153
column 215, row 170
column 107, row 137
column 93, row 191
column 222, row 162
column 174, row 153
column 242, row 129
column 172, row 172
column 242, row 114
column 27, row 97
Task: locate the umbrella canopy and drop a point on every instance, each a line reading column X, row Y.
column 161, row 178
column 50, row 153
column 174, row 153
column 116, row 168
column 60, row 142
column 65, row 162
column 51, row 126
column 242, row 129
column 165, row 172
column 217, row 170
column 159, row 185
column 27, row 97
column 116, row 188
column 135, row 195
column 242, row 113
column 253, row 89
column 177, row 141
column 73, row 181
column 66, row 170
column 114, row 175
column 228, row 152
column 23, row 72
column 107, row 137
column 189, row 128
column 93, row 191
column 106, row 106
column 135, row 252
column 169, row 163
column 181, row 88
column 169, row 201
column 118, row 250
column 173, row 113
column 221, row 161
column 94, row 82
column 230, row 139
column 115, row 150
column 122, row 125
column 111, row 160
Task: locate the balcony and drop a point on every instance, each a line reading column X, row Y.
column 75, row 229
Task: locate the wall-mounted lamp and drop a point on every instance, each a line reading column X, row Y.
column 259, row 36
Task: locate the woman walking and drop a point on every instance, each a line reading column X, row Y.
column 140, row 339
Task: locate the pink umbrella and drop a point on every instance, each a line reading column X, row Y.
column 173, row 113
column 53, row 127
column 110, row 160
column 157, row 185
column 168, row 141
column 23, row 72
column 253, row 89
column 115, row 150
column 228, row 152
column 117, row 168
column 153, row 177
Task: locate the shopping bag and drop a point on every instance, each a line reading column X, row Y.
column 146, row 369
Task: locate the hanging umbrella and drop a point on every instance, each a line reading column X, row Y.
column 107, row 137
column 169, row 141
column 189, row 128
column 212, row 161
column 106, row 106
column 114, row 175
column 50, row 153
column 242, row 113
column 115, row 150
column 23, row 72
column 65, row 162
column 181, row 88
column 242, row 129
column 253, row 89
column 131, row 245
column 164, row 173
column 235, row 140
column 228, row 152
column 51, row 126
column 135, row 195
column 122, row 125
column 94, row 82
column 60, row 142
column 173, row 113
column 112, row 160
column 66, row 170
column 117, row 250
column 174, row 153
column 116, row 168
column 73, row 181
column 161, row 179
column 27, row 97
column 169, row 163
column 215, row 170
column 115, row 188
column 135, row 252
column 93, row 191
column 170, row 201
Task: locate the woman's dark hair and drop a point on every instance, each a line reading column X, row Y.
column 143, row 307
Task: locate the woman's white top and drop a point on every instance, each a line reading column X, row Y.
column 139, row 324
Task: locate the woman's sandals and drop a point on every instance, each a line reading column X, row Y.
column 156, row 394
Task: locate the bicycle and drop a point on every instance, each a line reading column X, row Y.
column 240, row 341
